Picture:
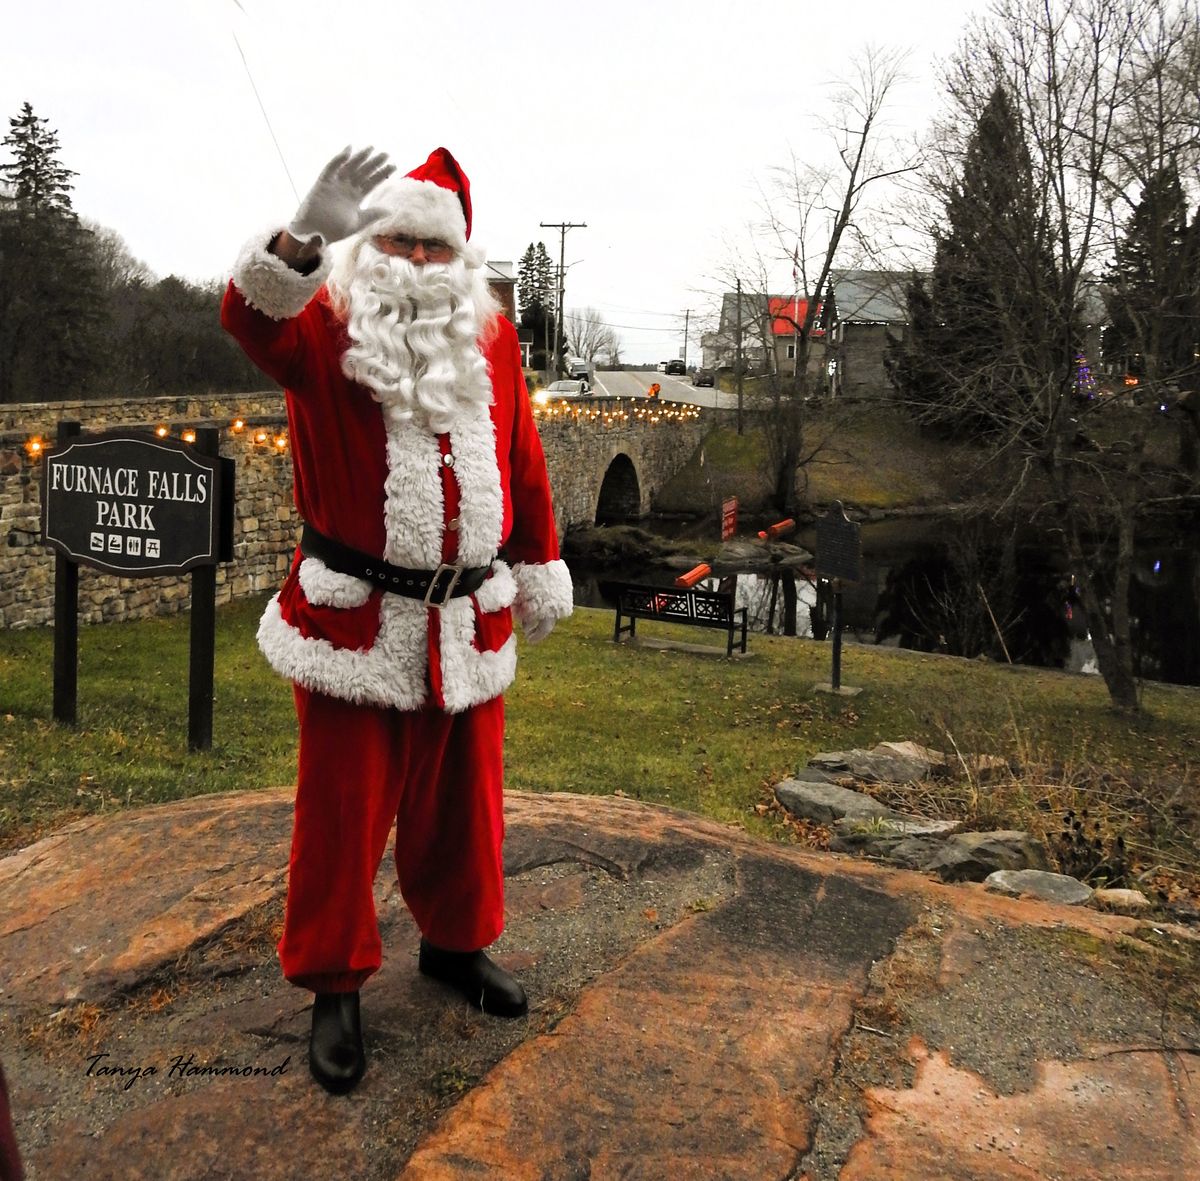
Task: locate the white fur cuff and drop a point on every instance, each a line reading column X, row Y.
column 543, row 591
column 270, row 285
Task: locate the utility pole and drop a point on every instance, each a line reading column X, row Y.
column 562, row 227
column 738, row 361
column 687, row 315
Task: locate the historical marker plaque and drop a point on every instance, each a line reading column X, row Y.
column 133, row 504
column 839, row 548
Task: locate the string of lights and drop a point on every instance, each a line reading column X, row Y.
column 622, row 411
column 260, row 436
column 642, row 410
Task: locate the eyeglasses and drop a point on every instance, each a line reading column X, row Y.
column 404, row 245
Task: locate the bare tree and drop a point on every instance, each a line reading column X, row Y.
column 589, row 336
column 818, row 215
column 115, row 263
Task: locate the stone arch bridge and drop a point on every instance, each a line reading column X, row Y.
column 608, row 459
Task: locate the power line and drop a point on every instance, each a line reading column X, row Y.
column 261, row 107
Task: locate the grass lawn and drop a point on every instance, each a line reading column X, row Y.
column 692, row 731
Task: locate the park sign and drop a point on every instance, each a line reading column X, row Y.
column 130, row 503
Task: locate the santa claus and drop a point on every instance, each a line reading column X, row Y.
column 421, row 482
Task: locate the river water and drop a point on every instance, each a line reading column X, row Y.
column 938, row 585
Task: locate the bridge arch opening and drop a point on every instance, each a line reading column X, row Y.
column 620, row 496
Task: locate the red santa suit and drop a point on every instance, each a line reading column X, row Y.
column 399, row 703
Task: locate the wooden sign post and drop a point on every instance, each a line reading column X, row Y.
column 838, row 559
column 130, row 503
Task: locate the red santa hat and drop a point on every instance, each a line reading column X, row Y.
column 432, row 201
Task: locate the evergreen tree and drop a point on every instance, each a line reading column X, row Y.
column 50, row 316
column 913, row 362
column 964, row 363
column 536, row 296
column 1153, row 307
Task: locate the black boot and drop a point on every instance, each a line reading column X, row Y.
column 485, row 984
column 335, row 1048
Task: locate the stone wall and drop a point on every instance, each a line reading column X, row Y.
column 265, row 522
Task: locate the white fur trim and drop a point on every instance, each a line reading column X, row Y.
column 422, row 209
column 327, row 588
column 413, row 519
column 468, row 675
column 543, row 590
column 481, row 504
column 412, row 510
column 499, row 591
column 270, row 285
column 392, row 671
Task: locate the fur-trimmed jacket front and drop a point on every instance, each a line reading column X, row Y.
column 400, row 491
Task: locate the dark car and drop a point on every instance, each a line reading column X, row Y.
column 676, row 367
column 703, row 377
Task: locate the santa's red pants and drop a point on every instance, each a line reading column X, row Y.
column 438, row 778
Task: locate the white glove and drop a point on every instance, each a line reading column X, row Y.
column 536, row 630
column 332, row 210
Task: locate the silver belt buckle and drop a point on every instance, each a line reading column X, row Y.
column 437, row 574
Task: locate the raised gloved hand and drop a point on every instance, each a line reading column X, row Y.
column 538, row 629
column 332, row 210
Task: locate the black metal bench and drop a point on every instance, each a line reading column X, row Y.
column 701, row 608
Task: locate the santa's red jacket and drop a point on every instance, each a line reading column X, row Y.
column 396, row 489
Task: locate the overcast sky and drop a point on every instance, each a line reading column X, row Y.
column 656, row 122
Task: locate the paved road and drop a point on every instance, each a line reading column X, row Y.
column 635, row 383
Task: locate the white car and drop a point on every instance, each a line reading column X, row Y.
column 556, row 391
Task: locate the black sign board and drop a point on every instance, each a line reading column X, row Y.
column 131, row 503
column 839, row 550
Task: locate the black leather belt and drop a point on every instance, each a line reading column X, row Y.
column 434, row 587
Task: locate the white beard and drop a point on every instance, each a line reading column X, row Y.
column 414, row 333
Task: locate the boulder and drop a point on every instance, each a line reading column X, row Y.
column 917, row 836
column 913, row 852
column 971, row 856
column 930, row 760
column 1039, row 883
column 880, row 765
column 816, row 775
column 895, row 826
column 1121, row 901
column 827, row 802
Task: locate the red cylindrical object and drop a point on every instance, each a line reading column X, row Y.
column 694, row 575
